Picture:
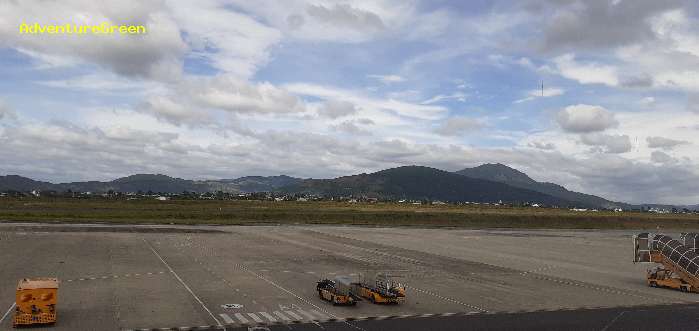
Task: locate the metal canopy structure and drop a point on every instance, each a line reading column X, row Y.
column 676, row 252
column 691, row 241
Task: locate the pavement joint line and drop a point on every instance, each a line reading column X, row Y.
column 182, row 282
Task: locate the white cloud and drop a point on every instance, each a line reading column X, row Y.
column 542, row 145
column 647, row 101
column 693, row 103
column 662, row 158
column 583, row 118
column 230, row 41
column 6, row 112
column 156, row 54
column 336, row 109
column 458, row 96
column 664, row 143
column 459, row 126
column 545, row 93
column 586, row 73
column 607, row 143
column 356, row 127
column 350, row 22
column 368, row 103
column 187, row 102
column 175, row 112
column 387, row 79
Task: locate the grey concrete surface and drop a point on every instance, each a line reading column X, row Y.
column 155, row 277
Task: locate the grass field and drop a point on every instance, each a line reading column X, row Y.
column 380, row 214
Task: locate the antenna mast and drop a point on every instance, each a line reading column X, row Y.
column 542, row 88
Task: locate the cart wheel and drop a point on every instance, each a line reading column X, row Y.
column 653, row 284
column 683, row 289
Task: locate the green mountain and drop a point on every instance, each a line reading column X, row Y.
column 503, row 174
column 422, row 183
column 261, row 183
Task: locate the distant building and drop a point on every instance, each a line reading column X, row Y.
column 162, row 198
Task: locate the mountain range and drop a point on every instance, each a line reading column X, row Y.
column 154, row 183
column 484, row 183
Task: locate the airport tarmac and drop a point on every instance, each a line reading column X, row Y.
column 133, row 277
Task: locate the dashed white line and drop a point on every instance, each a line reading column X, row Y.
column 447, row 299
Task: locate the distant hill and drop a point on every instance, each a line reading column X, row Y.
column 421, row 183
column 150, row 182
column 504, row 174
column 22, row 184
column 261, row 183
column 484, row 183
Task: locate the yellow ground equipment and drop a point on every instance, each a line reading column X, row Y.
column 383, row 290
column 337, row 291
column 661, row 277
column 36, row 301
column 680, row 264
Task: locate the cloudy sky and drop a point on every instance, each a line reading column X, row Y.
column 221, row 89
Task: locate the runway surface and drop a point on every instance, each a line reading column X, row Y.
column 144, row 277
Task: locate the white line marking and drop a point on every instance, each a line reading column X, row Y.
column 282, row 316
column 268, row 316
column 183, row 284
column 254, row 317
column 323, row 316
column 305, row 313
column 8, row 312
column 241, row 318
column 227, row 318
column 293, row 315
column 447, row 299
column 606, row 327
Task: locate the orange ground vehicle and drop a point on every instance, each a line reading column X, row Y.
column 36, row 301
column 678, row 264
column 336, row 291
column 662, row 277
column 383, row 290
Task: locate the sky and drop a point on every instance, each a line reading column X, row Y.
column 599, row 96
